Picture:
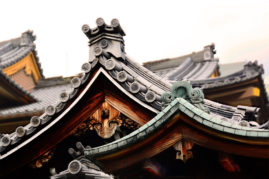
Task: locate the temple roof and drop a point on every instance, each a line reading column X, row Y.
column 198, row 69
column 12, row 94
column 198, row 65
column 12, row 51
column 108, row 60
column 249, row 71
column 44, row 94
column 227, row 69
column 179, row 105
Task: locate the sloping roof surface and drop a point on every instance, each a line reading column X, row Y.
column 226, row 69
column 14, row 50
column 198, row 65
column 44, row 96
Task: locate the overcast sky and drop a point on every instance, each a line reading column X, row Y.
column 154, row 29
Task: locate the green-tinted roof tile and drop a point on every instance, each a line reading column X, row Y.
column 182, row 108
column 218, row 127
column 150, row 129
column 182, row 101
column 189, row 113
column 198, row 118
column 215, row 120
column 167, row 115
column 141, row 134
column 229, row 130
column 211, row 118
column 142, row 128
column 189, row 106
column 139, row 129
column 246, row 128
column 131, row 139
column 174, row 102
column 166, row 109
column 157, row 123
column 198, row 111
column 263, row 133
column 236, row 126
column 225, row 123
column 174, row 109
column 159, row 115
column 103, row 149
column 152, row 121
column 121, row 143
column 90, row 152
column 240, row 132
column 111, row 147
column 165, row 118
column 252, row 133
column 205, row 116
column 207, row 123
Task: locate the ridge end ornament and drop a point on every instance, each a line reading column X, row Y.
column 105, row 41
column 183, row 89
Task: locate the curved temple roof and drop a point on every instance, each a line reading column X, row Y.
column 108, row 58
column 179, row 105
column 14, row 50
column 44, row 96
column 11, row 52
column 198, row 65
column 250, row 71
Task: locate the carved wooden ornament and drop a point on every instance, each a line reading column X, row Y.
column 105, row 120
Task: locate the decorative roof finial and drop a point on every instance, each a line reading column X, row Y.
column 27, row 38
column 102, row 27
column 183, row 89
column 105, row 40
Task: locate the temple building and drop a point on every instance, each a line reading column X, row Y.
column 182, row 117
column 232, row 84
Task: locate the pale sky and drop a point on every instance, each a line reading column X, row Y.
column 154, row 29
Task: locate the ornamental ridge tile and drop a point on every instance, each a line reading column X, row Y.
column 198, row 118
column 240, row 132
column 189, row 113
column 182, row 108
column 216, row 120
column 229, row 130
column 218, row 127
column 207, row 123
column 252, row 133
column 205, row 116
column 263, row 134
column 226, row 124
column 189, row 106
column 159, row 115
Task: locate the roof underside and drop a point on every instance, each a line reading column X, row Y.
column 44, row 96
column 11, row 94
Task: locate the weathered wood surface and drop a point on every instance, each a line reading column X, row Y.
column 158, row 142
column 90, row 102
column 234, row 144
